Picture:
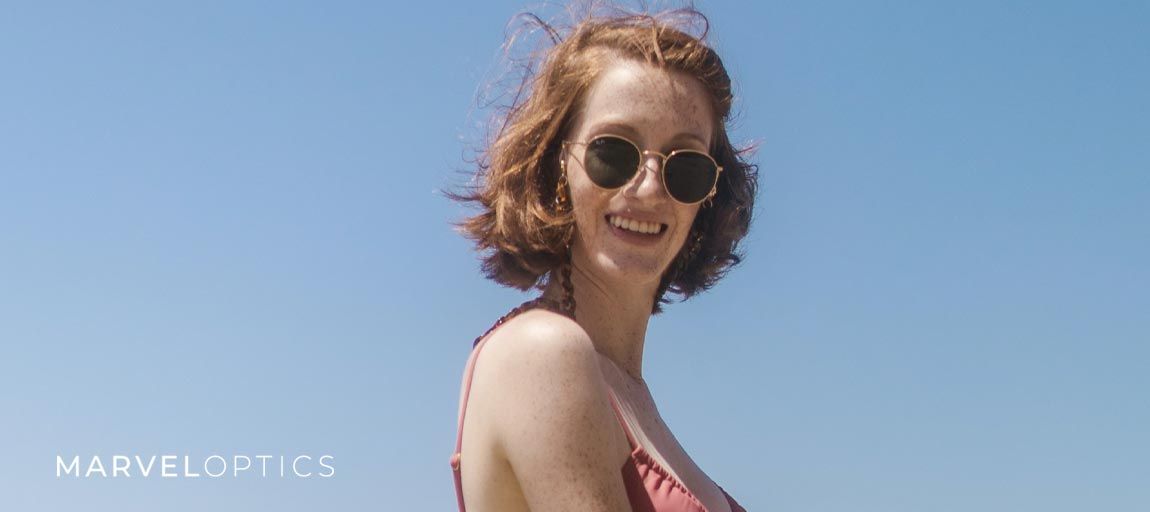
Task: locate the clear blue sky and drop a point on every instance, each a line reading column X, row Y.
column 219, row 233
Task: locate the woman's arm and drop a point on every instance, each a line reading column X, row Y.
column 552, row 420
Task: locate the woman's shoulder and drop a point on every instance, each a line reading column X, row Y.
column 538, row 340
column 541, row 367
column 543, row 403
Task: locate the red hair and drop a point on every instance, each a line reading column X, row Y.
column 520, row 233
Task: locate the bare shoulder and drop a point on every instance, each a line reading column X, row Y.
column 547, row 415
column 538, row 362
column 540, row 340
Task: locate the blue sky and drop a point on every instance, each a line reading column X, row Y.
column 220, row 233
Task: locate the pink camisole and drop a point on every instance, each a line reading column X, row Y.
column 650, row 487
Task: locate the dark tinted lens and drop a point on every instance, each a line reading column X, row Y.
column 690, row 176
column 611, row 162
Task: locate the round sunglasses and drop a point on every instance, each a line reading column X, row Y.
column 689, row 176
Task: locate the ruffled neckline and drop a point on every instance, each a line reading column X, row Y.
column 640, row 456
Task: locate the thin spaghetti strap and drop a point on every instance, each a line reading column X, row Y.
column 467, row 374
column 622, row 421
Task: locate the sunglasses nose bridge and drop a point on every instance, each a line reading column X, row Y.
column 654, row 162
column 646, row 157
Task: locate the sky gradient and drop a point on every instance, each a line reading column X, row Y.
column 221, row 233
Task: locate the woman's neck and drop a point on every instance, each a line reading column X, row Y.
column 615, row 316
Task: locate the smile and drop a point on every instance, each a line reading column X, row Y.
column 636, row 226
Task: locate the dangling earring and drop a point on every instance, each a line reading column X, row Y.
column 562, row 201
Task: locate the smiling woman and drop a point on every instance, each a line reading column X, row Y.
column 610, row 183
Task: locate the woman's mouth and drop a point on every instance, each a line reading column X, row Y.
column 635, row 230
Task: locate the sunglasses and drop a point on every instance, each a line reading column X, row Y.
column 689, row 176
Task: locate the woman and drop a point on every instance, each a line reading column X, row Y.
column 611, row 182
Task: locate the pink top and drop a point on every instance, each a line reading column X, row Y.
column 650, row 487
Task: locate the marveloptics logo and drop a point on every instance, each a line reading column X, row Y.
column 213, row 466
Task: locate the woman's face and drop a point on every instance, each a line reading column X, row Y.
column 660, row 111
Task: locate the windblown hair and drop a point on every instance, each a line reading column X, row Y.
column 520, row 233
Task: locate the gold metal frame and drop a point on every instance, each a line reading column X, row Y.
column 662, row 165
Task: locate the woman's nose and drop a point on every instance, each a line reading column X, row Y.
column 647, row 182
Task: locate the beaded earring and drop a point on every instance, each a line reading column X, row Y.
column 562, row 201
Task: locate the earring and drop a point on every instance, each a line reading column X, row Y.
column 710, row 201
column 562, row 201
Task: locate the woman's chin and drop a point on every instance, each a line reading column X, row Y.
column 629, row 270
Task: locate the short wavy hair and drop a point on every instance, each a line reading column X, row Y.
column 521, row 235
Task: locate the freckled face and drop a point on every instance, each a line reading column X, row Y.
column 660, row 111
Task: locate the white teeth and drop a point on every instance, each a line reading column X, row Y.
column 637, row 226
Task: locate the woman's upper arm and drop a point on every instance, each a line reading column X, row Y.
column 553, row 421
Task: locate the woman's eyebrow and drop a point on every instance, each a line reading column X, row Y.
column 625, row 129
column 614, row 127
column 690, row 136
